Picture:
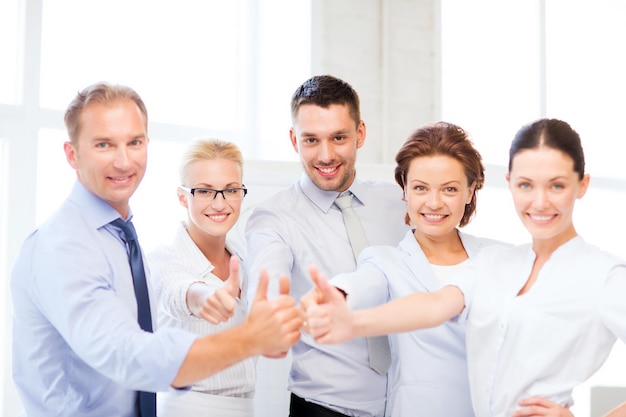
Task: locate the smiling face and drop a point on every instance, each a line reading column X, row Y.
column 111, row 151
column 213, row 217
column 436, row 192
column 327, row 139
column 545, row 187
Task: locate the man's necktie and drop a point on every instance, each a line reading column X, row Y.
column 379, row 351
column 147, row 400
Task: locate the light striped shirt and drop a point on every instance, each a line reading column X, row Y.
column 173, row 269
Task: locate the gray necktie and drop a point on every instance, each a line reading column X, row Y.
column 380, row 354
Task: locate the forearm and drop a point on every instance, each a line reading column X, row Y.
column 213, row 353
column 619, row 411
column 197, row 293
column 416, row 311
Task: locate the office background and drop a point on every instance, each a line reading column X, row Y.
column 210, row 68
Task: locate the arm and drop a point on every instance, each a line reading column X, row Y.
column 330, row 320
column 271, row 328
column 537, row 406
column 267, row 248
column 216, row 306
column 619, row 411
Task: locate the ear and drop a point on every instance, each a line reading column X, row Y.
column 507, row 177
column 360, row 134
column 182, row 198
column 584, row 185
column 470, row 193
column 70, row 154
column 294, row 139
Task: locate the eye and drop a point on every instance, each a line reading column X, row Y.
column 451, row 190
column 102, row 145
column 135, row 142
column 309, row 141
column 205, row 192
column 232, row 191
column 339, row 138
column 419, row 188
column 558, row 187
column 523, row 186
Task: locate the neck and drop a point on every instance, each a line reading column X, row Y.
column 543, row 248
column 212, row 247
column 446, row 249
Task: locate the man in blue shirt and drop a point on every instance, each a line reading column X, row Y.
column 303, row 225
column 78, row 348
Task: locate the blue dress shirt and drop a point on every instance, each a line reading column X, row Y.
column 301, row 226
column 77, row 347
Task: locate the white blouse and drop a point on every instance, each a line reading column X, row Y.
column 548, row 340
column 173, row 269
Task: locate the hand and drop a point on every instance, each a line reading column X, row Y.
column 537, row 406
column 328, row 317
column 274, row 325
column 220, row 306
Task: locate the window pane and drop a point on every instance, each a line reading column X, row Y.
column 55, row 176
column 490, row 70
column 585, row 77
column 284, row 54
column 183, row 57
column 11, row 29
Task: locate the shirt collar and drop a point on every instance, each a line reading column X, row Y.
column 324, row 200
column 100, row 212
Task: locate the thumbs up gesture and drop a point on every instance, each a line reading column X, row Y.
column 219, row 306
column 273, row 324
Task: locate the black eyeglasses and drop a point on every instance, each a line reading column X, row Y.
column 229, row 194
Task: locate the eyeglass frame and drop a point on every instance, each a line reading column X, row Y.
column 192, row 191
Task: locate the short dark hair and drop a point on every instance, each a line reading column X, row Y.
column 324, row 90
column 553, row 133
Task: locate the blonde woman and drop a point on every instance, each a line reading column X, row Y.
column 197, row 275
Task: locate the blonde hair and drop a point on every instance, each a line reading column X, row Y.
column 207, row 150
column 102, row 93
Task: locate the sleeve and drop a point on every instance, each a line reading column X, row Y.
column 95, row 321
column 267, row 248
column 366, row 287
column 612, row 307
column 466, row 281
column 171, row 281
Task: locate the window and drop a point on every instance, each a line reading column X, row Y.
column 505, row 64
column 11, row 30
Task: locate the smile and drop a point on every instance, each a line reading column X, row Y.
column 328, row 171
column 541, row 218
column 430, row 216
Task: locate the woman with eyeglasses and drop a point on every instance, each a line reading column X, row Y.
column 196, row 279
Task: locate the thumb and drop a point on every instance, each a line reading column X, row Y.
column 232, row 283
column 324, row 290
column 261, row 290
column 284, row 285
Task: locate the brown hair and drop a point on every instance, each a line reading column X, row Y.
column 98, row 93
column 443, row 139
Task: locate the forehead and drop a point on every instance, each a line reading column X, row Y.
column 117, row 116
column 542, row 161
column 436, row 168
column 311, row 115
column 215, row 170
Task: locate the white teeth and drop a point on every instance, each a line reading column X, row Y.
column 540, row 218
column 327, row 170
column 218, row 217
column 434, row 216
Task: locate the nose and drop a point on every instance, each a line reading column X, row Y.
column 219, row 201
column 122, row 160
column 434, row 201
column 326, row 151
column 541, row 201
